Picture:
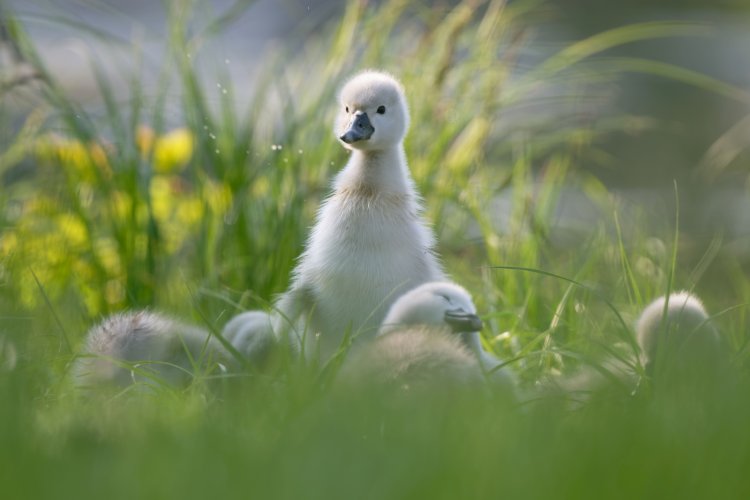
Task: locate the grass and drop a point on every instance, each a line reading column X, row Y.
column 184, row 200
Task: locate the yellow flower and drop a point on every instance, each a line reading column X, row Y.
column 144, row 140
column 72, row 230
column 173, row 150
column 83, row 159
column 162, row 199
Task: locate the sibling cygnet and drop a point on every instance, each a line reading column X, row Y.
column 369, row 243
column 251, row 333
column 681, row 336
column 674, row 348
column 430, row 334
column 143, row 346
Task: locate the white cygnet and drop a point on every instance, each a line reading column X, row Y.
column 680, row 334
column 679, row 347
column 251, row 333
column 430, row 333
column 369, row 242
column 143, row 346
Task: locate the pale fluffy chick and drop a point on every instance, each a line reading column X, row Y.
column 679, row 338
column 430, row 336
column 149, row 348
column 369, row 242
column 251, row 333
column 679, row 347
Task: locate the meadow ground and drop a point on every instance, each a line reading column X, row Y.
column 183, row 197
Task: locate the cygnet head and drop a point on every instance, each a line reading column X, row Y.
column 439, row 305
column 373, row 114
column 684, row 335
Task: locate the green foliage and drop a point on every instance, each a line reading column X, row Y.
column 126, row 207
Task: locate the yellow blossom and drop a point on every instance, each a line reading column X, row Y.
column 83, row 159
column 144, row 140
column 170, row 152
column 72, row 230
column 173, row 150
column 162, row 201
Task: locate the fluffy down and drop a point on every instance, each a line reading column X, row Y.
column 369, row 243
column 680, row 337
column 429, row 338
column 147, row 347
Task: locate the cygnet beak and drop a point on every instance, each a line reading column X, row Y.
column 360, row 129
column 462, row 322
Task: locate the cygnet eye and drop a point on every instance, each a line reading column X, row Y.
column 381, row 110
column 347, row 109
column 445, row 297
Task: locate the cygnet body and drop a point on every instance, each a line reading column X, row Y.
column 369, row 242
column 678, row 344
column 430, row 334
column 155, row 346
column 678, row 337
column 251, row 333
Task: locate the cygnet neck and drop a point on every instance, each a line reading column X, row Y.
column 471, row 340
column 379, row 171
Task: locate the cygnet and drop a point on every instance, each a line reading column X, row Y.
column 678, row 345
column 143, row 346
column 251, row 333
column 678, row 337
column 430, row 334
column 369, row 243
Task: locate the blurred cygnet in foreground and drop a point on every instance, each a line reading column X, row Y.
column 251, row 333
column 679, row 346
column 430, row 337
column 146, row 347
column 678, row 340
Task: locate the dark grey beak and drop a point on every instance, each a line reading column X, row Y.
column 360, row 129
column 462, row 322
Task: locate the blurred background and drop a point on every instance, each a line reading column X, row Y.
column 643, row 104
column 693, row 135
